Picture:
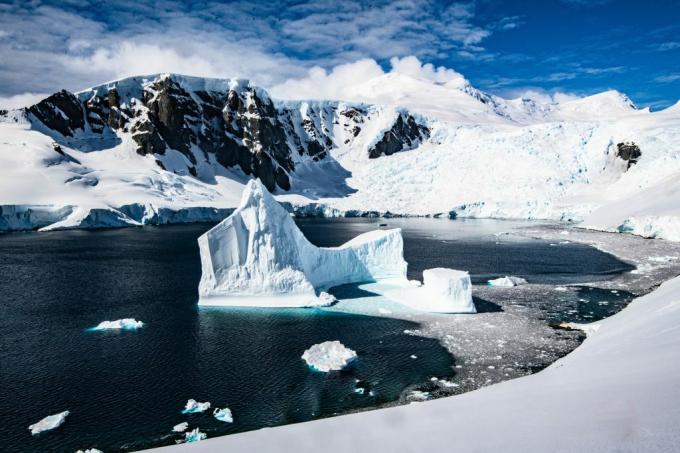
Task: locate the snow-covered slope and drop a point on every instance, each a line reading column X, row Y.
column 617, row 392
column 168, row 148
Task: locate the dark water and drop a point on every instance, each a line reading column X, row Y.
column 125, row 390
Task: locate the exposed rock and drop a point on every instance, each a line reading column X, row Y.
column 629, row 152
column 61, row 112
column 405, row 134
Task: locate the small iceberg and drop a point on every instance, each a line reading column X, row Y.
column 48, row 423
column 181, row 427
column 194, row 407
column 507, row 281
column 223, row 415
column 328, row 356
column 90, row 450
column 195, row 436
column 119, row 324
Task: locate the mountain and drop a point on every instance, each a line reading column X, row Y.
column 171, row 148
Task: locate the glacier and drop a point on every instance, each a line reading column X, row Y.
column 507, row 281
column 194, row 407
column 443, row 291
column 328, row 356
column 258, row 257
column 48, row 423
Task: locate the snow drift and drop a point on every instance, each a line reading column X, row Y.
column 258, row 257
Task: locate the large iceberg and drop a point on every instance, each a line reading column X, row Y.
column 328, row 356
column 258, row 257
column 443, row 291
column 49, row 422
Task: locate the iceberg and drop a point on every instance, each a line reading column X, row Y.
column 181, row 427
column 328, row 356
column 507, row 281
column 443, row 291
column 195, row 436
column 48, row 423
column 90, row 450
column 119, row 324
column 224, row 415
column 194, row 407
column 258, row 257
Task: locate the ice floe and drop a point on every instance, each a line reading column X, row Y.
column 507, row 281
column 180, row 427
column 194, row 407
column 48, row 423
column 328, row 356
column 223, row 415
column 119, row 324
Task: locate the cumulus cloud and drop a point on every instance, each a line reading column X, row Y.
column 542, row 96
column 20, row 100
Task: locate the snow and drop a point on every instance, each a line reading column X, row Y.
column 443, row 291
column 180, row 427
column 194, row 407
column 328, row 356
column 119, row 324
column 507, row 281
column 616, row 392
column 258, row 257
column 223, row 415
column 48, row 423
column 195, row 436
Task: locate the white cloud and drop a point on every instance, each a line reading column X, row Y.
column 20, row 100
column 542, row 96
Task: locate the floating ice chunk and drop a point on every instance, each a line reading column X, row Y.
column 49, row 422
column 443, row 291
column 119, row 324
column 223, row 415
column 328, row 356
column 418, row 395
column 413, row 356
column 195, row 436
column 561, row 288
column 326, row 299
column 181, row 427
column 90, row 450
column 259, row 257
column 194, row 407
column 662, row 259
column 507, row 281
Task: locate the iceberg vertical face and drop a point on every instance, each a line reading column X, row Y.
column 443, row 291
column 258, row 257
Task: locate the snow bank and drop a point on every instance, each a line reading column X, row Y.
column 195, row 436
column 224, row 415
column 194, row 407
column 258, row 257
column 507, row 281
column 48, row 423
column 618, row 391
column 328, row 356
column 443, row 291
column 119, row 324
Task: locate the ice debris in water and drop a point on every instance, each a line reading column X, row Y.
column 195, row 436
column 90, row 450
column 223, row 415
column 328, row 356
column 326, row 299
column 120, row 324
column 662, row 259
column 507, row 281
column 194, row 407
column 561, row 288
column 49, row 422
column 181, row 427
column 418, row 395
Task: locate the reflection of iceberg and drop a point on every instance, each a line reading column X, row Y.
column 507, row 281
column 194, row 407
column 119, row 324
column 328, row 356
column 223, row 415
column 258, row 257
column 443, row 291
column 195, row 436
column 49, row 422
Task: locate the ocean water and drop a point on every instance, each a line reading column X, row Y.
column 125, row 390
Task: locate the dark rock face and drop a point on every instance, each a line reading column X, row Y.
column 61, row 112
column 405, row 134
column 628, row 151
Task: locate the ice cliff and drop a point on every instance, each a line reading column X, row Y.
column 258, row 257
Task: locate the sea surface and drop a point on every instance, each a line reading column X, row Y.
column 126, row 390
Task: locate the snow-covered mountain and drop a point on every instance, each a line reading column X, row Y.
column 171, row 148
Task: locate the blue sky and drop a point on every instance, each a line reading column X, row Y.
column 504, row 47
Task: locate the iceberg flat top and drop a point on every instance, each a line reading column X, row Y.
column 328, row 356
column 48, row 423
